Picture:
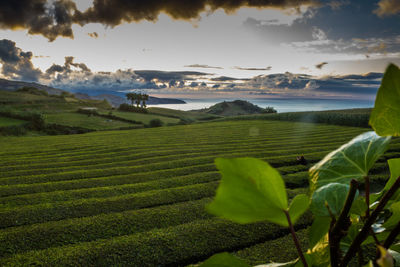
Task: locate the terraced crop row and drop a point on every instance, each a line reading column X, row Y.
column 137, row 197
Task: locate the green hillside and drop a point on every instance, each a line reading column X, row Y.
column 234, row 108
column 60, row 114
column 137, row 197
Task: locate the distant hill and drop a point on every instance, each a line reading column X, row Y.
column 234, row 108
column 114, row 99
column 15, row 85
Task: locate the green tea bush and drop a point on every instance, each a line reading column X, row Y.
column 345, row 221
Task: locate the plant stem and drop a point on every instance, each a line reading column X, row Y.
column 367, row 195
column 296, row 241
column 341, row 225
column 392, row 236
column 362, row 235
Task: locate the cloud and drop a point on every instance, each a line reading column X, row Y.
column 38, row 17
column 255, row 69
column 167, row 76
column 94, row 35
column 333, row 27
column 55, row 18
column 223, row 79
column 17, row 64
column 387, row 8
column 115, row 12
column 321, row 65
column 202, row 66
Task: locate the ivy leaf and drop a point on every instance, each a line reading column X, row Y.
column 351, row 161
column 385, row 117
column 250, row 190
column 333, row 194
column 224, row 260
column 394, row 167
column 318, row 230
column 298, row 206
column 395, row 218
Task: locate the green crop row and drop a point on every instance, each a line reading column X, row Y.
column 107, row 191
column 172, row 246
column 31, row 214
column 71, row 231
column 277, row 250
column 176, row 156
column 119, row 150
column 160, row 138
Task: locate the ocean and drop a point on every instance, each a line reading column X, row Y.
column 281, row 105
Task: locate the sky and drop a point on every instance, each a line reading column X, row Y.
column 202, row 48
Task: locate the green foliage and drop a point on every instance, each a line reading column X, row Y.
column 156, row 123
column 318, row 230
column 224, row 260
column 130, row 108
column 269, row 110
column 250, row 190
column 351, row 161
column 329, row 199
column 385, row 117
column 32, row 90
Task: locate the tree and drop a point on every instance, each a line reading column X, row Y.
column 138, row 99
column 144, row 99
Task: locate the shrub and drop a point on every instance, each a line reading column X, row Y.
column 130, row 108
column 156, row 123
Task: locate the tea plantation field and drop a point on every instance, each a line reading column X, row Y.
column 137, row 197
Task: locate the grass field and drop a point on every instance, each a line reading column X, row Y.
column 5, row 122
column 140, row 117
column 84, row 121
column 136, row 198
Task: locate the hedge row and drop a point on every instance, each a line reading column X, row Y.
column 172, row 246
column 276, row 161
column 122, row 153
column 89, row 207
column 279, row 250
column 163, row 158
column 108, row 191
column 224, row 139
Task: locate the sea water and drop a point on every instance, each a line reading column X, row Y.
column 281, row 104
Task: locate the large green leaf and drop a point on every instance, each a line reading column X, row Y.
column 298, row 206
column 385, row 117
column 333, row 194
column 224, row 260
column 351, row 161
column 250, row 190
column 318, row 230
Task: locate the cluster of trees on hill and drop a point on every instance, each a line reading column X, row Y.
column 138, row 99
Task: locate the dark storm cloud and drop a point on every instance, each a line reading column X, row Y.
column 55, row 18
column 321, row 65
column 167, row 76
column 38, row 17
column 289, row 83
column 115, row 12
column 202, row 66
column 66, row 69
column 339, row 26
column 255, row 69
column 16, row 64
